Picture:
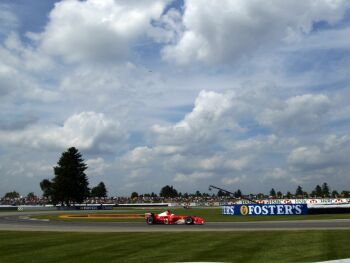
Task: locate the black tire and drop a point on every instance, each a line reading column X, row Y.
column 150, row 220
column 189, row 220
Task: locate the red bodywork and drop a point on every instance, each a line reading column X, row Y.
column 167, row 218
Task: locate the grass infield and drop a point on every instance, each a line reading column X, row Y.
column 276, row 246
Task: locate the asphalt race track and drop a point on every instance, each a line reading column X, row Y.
column 22, row 221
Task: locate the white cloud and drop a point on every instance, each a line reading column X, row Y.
column 18, row 68
column 139, row 155
column 305, row 155
column 25, row 58
column 8, row 20
column 231, row 181
column 97, row 30
column 241, row 163
column 193, row 177
column 211, row 163
column 145, row 156
column 28, row 169
column 209, row 116
column 300, row 113
column 225, row 162
column 168, row 28
column 278, row 173
column 97, row 166
column 86, row 131
column 222, row 31
column 182, row 149
column 332, row 152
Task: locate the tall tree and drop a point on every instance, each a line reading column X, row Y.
column 221, row 193
column 31, row 195
column 318, row 191
column 325, row 190
column 299, row 192
column 46, row 187
column 134, row 195
column 279, row 194
column 273, row 193
column 99, row 190
column 198, row 193
column 168, row 191
column 12, row 195
column 335, row 194
column 260, row 196
column 70, row 184
column 238, row 193
column 345, row 194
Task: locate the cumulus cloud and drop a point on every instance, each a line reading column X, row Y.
column 241, row 161
column 231, row 181
column 222, row 31
column 97, row 166
column 209, row 116
column 193, row 177
column 28, row 169
column 278, row 173
column 140, row 155
column 300, row 113
column 223, row 162
column 8, row 20
column 177, row 149
column 168, row 28
column 332, row 152
column 19, row 66
column 97, row 30
column 86, row 130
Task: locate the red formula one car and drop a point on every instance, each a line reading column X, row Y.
column 168, row 218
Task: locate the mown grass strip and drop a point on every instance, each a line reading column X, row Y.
column 287, row 246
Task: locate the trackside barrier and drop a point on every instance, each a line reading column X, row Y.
column 35, row 208
column 329, row 210
column 309, row 201
column 264, row 210
column 87, row 207
column 143, row 205
column 25, row 207
column 8, row 208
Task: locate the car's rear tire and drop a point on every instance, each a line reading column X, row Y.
column 189, row 220
column 150, row 220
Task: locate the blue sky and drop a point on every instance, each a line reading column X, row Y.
column 238, row 94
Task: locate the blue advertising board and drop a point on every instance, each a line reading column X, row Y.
column 264, row 209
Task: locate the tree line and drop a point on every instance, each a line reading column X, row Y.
column 322, row 191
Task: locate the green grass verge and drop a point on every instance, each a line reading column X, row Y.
column 288, row 246
column 209, row 215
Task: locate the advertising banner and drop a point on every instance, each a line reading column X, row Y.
column 264, row 210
